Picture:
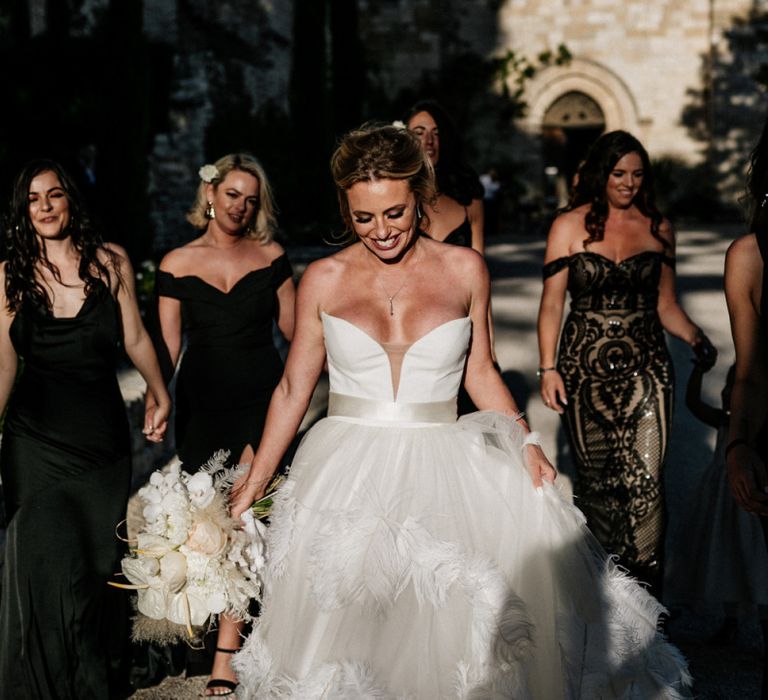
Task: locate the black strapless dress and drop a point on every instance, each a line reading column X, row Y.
column 619, row 381
column 230, row 367
column 65, row 465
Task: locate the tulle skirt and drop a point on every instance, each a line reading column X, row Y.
column 418, row 561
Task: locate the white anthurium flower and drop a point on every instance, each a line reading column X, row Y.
column 201, row 490
column 149, row 545
column 152, row 602
column 140, row 571
column 173, row 571
column 178, row 603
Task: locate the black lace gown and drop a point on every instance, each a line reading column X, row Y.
column 231, row 366
column 619, row 382
column 65, row 465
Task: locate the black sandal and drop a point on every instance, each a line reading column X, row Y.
column 215, row 683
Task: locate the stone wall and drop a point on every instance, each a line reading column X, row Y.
column 233, row 55
column 647, row 63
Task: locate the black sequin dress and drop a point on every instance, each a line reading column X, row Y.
column 618, row 378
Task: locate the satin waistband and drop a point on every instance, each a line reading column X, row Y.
column 344, row 406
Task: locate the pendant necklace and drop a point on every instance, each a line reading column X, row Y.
column 391, row 297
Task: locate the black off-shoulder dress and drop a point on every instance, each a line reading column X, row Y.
column 230, row 366
column 618, row 377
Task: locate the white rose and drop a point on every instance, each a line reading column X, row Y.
column 207, row 538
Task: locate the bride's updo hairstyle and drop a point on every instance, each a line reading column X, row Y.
column 376, row 152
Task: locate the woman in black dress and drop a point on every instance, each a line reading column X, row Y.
column 65, row 460
column 456, row 214
column 224, row 290
column 746, row 291
column 614, row 252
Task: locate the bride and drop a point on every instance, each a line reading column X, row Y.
column 412, row 555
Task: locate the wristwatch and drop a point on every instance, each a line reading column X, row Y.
column 540, row 371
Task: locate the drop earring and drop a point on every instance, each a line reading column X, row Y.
column 210, row 212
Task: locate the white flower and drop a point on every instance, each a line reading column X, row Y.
column 207, row 538
column 398, row 124
column 152, row 512
column 149, row 545
column 208, row 173
column 201, row 491
column 173, row 571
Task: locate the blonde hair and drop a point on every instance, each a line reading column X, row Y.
column 262, row 225
column 375, row 152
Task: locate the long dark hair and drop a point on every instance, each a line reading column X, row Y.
column 757, row 186
column 23, row 249
column 593, row 176
column 454, row 176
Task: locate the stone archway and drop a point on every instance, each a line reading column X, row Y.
column 585, row 92
column 601, row 84
column 569, row 127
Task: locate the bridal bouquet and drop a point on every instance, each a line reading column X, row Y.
column 191, row 561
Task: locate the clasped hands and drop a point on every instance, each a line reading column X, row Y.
column 156, row 414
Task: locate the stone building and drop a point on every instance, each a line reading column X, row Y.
column 190, row 80
column 679, row 74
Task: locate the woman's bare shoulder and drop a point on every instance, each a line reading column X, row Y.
column 744, row 249
column 178, row 260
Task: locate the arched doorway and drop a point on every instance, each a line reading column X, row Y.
column 570, row 126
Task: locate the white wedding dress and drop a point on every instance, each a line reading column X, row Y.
column 410, row 556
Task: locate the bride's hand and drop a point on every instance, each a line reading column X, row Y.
column 244, row 492
column 539, row 466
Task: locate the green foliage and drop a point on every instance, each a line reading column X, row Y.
column 514, row 70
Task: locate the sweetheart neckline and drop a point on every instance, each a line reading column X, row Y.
column 380, row 344
column 217, row 289
column 395, row 386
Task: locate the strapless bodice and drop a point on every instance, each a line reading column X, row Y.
column 430, row 369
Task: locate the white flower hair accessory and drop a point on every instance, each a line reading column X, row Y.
column 398, row 124
column 208, row 173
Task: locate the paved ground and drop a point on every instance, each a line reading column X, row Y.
column 721, row 671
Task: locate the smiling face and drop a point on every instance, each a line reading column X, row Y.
column 383, row 216
column 424, row 126
column 48, row 205
column 624, row 181
column 235, row 200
